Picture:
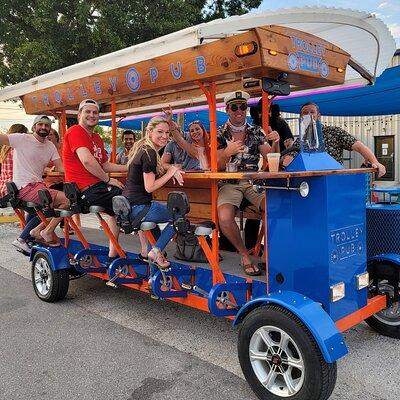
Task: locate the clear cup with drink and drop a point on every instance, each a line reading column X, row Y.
column 273, row 161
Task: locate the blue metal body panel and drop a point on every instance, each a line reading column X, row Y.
column 58, row 256
column 313, row 162
column 319, row 323
column 317, row 241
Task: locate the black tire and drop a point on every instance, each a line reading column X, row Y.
column 49, row 285
column 315, row 380
column 387, row 321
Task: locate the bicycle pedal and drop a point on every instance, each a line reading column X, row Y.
column 186, row 286
column 111, row 285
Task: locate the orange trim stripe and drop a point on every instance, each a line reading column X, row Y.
column 374, row 305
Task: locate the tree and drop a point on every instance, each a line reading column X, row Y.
column 39, row 36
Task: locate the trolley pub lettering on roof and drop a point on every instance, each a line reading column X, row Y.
column 308, row 57
column 217, row 61
column 133, row 80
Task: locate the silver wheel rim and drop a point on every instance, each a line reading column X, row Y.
column 277, row 361
column 390, row 315
column 42, row 276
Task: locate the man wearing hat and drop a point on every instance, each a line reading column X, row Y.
column 32, row 153
column 240, row 144
column 86, row 163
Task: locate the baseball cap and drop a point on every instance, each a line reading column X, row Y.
column 88, row 102
column 237, row 96
column 44, row 119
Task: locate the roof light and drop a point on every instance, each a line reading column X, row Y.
column 340, row 70
column 272, row 52
column 246, row 49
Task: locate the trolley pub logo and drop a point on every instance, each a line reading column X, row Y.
column 132, row 79
column 346, row 242
column 308, row 57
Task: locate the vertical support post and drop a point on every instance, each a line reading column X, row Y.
column 266, row 104
column 113, row 131
column 211, row 94
column 62, row 124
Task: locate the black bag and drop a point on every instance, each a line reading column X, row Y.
column 189, row 249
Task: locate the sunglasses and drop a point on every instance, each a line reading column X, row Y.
column 235, row 107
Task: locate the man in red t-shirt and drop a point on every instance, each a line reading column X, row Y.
column 86, row 163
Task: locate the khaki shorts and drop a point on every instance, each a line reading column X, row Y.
column 233, row 194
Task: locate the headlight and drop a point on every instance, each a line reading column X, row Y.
column 337, row 291
column 362, row 280
column 304, row 189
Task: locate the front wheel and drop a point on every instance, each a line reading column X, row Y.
column 280, row 358
column 49, row 285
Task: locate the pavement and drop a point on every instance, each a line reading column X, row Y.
column 101, row 343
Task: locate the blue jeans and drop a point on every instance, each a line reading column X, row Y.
column 32, row 221
column 159, row 214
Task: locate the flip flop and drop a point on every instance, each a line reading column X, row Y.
column 254, row 269
column 51, row 243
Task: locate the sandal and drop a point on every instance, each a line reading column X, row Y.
column 156, row 257
column 143, row 258
column 51, row 243
column 251, row 269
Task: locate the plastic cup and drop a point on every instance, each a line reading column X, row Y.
column 231, row 167
column 273, row 161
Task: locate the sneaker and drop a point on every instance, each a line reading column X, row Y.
column 21, row 246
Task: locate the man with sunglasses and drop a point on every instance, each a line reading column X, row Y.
column 240, row 144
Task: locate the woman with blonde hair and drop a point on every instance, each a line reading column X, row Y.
column 145, row 175
column 6, row 159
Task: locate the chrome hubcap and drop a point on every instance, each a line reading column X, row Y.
column 42, row 276
column 277, row 361
column 390, row 315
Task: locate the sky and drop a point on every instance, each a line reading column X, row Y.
column 386, row 10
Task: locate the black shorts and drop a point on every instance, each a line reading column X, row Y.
column 101, row 194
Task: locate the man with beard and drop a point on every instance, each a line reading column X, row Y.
column 241, row 144
column 128, row 139
column 32, row 153
column 86, row 163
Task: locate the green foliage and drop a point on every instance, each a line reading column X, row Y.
column 39, row 36
column 104, row 133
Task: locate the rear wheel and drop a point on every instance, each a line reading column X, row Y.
column 49, row 285
column 280, row 358
column 385, row 280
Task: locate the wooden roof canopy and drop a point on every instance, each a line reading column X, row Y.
column 309, row 62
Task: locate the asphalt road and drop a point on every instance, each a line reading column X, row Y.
column 119, row 344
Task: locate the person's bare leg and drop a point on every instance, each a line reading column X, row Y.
column 35, row 233
column 47, row 232
column 143, row 244
column 112, row 223
column 227, row 224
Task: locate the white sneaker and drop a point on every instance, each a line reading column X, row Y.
column 21, row 246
